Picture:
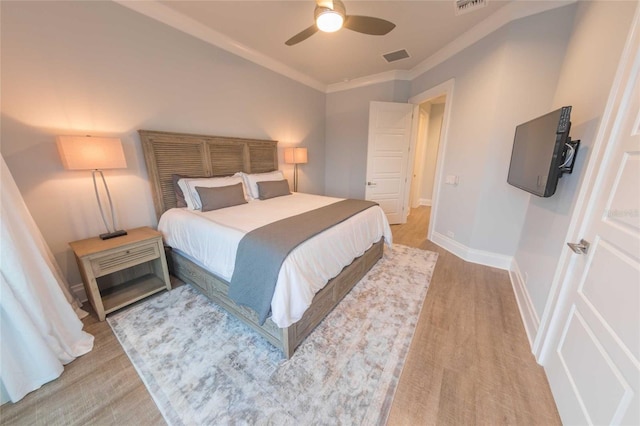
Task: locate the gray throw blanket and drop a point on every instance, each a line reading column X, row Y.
column 262, row 251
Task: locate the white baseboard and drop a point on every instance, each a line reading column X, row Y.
column 482, row 257
column 525, row 305
column 78, row 291
column 424, row 201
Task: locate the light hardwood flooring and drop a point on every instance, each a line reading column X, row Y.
column 469, row 361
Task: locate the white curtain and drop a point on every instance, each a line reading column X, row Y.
column 40, row 329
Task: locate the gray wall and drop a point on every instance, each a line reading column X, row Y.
column 585, row 82
column 99, row 68
column 347, row 115
column 506, row 78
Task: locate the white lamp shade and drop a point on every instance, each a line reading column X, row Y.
column 295, row 155
column 91, row 153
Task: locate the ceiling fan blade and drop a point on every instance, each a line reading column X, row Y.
column 302, row 35
column 368, row 25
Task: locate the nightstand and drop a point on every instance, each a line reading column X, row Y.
column 122, row 270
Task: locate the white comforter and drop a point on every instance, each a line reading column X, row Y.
column 212, row 238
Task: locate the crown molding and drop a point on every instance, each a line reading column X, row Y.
column 503, row 16
column 510, row 12
column 168, row 16
column 369, row 80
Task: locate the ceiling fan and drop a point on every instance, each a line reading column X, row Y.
column 330, row 16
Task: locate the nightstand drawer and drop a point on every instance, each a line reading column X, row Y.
column 124, row 258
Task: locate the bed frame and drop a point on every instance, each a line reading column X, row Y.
column 198, row 155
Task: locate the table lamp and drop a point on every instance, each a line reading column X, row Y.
column 295, row 156
column 96, row 154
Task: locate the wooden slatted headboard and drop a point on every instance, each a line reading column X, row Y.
column 199, row 155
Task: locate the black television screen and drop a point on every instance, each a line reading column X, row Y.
column 539, row 155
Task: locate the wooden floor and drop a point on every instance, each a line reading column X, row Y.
column 469, row 361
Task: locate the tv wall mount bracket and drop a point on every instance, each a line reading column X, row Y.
column 570, row 148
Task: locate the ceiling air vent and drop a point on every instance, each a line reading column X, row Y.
column 395, row 56
column 464, row 6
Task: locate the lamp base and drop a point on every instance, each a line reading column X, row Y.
column 113, row 234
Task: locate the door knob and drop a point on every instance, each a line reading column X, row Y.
column 579, row 248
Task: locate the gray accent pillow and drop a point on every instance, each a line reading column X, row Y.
column 273, row 188
column 221, row 196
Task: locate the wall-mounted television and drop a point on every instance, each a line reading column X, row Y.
column 542, row 153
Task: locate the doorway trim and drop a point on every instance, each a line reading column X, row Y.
column 446, row 89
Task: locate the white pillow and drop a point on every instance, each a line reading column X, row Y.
column 251, row 181
column 191, row 196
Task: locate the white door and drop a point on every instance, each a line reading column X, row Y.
column 592, row 358
column 388, row 165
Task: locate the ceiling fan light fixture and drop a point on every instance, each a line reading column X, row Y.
column 331, row 15
column 329, row 21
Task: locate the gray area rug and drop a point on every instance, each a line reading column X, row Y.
column 204, row 367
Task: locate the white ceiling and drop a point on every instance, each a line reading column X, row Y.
column 430, row 30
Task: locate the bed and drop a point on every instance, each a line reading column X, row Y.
column 169, row 154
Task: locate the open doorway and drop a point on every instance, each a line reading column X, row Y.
column 430, row 118
column 392, row 161
column 431, row 114
column 430, row 147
